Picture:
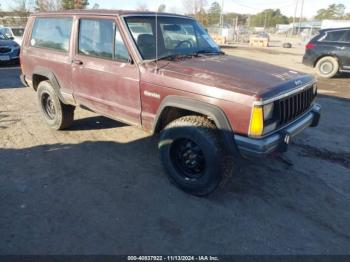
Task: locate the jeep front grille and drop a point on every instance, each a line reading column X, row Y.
column 295, row 105
column 4, row 50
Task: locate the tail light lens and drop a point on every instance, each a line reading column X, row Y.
column 310, row 46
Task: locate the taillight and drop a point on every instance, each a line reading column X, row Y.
column 310, row 46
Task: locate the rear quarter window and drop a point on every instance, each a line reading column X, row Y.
column 347, row 36
column 334, row 36
column 52, row 33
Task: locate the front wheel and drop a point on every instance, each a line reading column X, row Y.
column 193, row 155
column 327, row 67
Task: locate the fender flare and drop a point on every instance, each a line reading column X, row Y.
column 52, row 78
column 212, row 111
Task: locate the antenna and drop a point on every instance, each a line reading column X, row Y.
column 156, row 40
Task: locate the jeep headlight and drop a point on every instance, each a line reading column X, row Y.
column 262, row 121
column 268, row 111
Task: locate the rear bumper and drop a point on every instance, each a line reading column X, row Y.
column 280, row 140
column 308, row 60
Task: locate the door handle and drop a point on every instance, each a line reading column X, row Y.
column 77, row 62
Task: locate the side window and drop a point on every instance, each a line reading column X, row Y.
column 96, row 38
column 120, row 51
column 334, row 36
column 53, row 33
column 142, row 33
column 347, row 36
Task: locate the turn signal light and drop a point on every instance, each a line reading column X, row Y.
column 256, row 127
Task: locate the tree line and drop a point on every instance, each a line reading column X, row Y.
column 23, row 6
column 207, row 15
column 267, row 18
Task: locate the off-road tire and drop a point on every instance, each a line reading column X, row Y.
column 287, row 45
column 329, row 62
column 203, row 133
column 63, row 115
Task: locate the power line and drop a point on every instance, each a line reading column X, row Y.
column 286, row 4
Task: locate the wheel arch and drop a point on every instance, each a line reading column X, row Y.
column 326, row 55
column 42, row 74
column 188, row 106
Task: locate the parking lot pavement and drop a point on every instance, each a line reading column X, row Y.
column 98, row 188
column 9, row 77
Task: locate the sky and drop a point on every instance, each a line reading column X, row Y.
column 239, row 6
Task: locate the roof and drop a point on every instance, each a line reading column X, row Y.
column 335, row 29
column 104, row 12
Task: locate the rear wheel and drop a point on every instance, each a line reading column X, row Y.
column 193, row 155
column 56, row 114
column 327, row 67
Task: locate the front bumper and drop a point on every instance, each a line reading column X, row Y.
column 11, row 56
column 279, row 140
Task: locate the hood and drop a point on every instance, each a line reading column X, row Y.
column 237, row 74
column 7, row 43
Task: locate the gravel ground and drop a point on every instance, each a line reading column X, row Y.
column 98, row 188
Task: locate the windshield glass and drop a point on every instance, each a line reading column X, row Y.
column 18, row 32
column 176, row 36
column 5, row 33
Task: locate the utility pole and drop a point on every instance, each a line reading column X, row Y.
column 222, row 15
column 265, row 21
column 295, row 14
column 301, row 15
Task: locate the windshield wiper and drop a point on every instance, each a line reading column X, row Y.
column 173, row 57
column 209, row 52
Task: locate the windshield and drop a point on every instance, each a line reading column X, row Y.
column 4, row 36
column 5, row 33
column 176, row 36
column 18, row 32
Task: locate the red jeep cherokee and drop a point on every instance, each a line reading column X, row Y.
column 164, row 73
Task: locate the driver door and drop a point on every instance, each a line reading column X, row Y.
column 103, row 77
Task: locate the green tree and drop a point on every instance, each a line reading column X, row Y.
column 230, row 18
column 290, row 19
column 74, row 4
column 214, row 13
column 334, row 11
column 269, row 18
column 47, row 5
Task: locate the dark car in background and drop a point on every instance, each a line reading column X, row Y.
column 9, row 49
column 329, row 52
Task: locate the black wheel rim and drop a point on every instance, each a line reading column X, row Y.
column 188, row 158
column 48, row 106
